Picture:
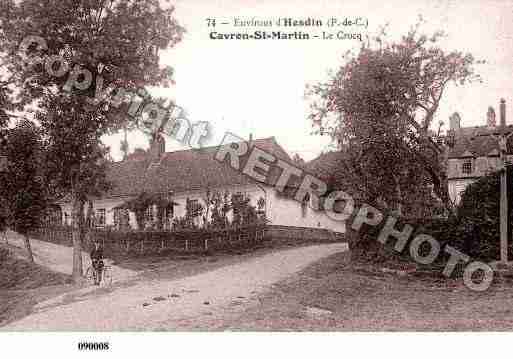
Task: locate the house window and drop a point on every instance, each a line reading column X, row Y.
column 100, row 217
column 150, row 216
column 261, row 207
column 195, row 207
column 467, row 167
column 121, row 218
column 193, row 211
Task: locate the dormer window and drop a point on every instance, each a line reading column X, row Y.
column 467, row 167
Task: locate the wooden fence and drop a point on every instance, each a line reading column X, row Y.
column 122, row 243
column 116, row 243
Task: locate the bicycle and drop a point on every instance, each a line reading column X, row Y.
column 91, row 274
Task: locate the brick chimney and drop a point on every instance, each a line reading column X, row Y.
column 455, row 122
column 503, row 112
column 491, row 121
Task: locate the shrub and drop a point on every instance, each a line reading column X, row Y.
column 479, row 216
column 365, row 246
column 474, row 231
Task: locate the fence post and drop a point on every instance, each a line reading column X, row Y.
column 142, row 245
column 186, row 244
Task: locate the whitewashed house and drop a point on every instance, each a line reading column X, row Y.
column 187, row 175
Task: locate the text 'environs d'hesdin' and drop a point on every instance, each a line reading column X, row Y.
column 287, row 28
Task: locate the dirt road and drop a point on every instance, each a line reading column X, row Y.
column 159, row 305
column 59, row 258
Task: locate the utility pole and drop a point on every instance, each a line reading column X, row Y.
column 124, row 145
column 504, row 185
column 504, row 209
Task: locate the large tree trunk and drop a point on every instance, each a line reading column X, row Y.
column 399, row 194
column 441, row 184
column 30, row 255
column 442, row 192
column 88, row 224
column 77, row 216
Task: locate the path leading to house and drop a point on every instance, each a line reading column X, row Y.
column 161, row 304
column 59, row 258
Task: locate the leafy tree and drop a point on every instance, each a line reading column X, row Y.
column 220, row 206
column 21, row 185
column 5, row 107
column 243, row 212
column 208, row 200
column 3, row 160
column 5, row 104
column 140, row 204
column 119, row 43
column 380, row 109
column 3, row 216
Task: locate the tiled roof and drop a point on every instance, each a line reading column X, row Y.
column 127, row 177
column 326, row 164
column 478, row 142
column 181, row 171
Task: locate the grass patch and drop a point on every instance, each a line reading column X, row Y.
column 178, row 264
column 18, row 274
column 24, row 284
column 337, row 295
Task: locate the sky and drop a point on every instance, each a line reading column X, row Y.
column 257, row 87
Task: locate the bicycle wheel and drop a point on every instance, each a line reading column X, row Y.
column 107, row 276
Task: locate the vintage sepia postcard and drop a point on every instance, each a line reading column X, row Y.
column 195, row 166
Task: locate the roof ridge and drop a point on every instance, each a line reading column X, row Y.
column 181, row 170
column 273, row 138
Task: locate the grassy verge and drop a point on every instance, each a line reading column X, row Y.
column 336, row 295
column 23, row 284
column 178, row 265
